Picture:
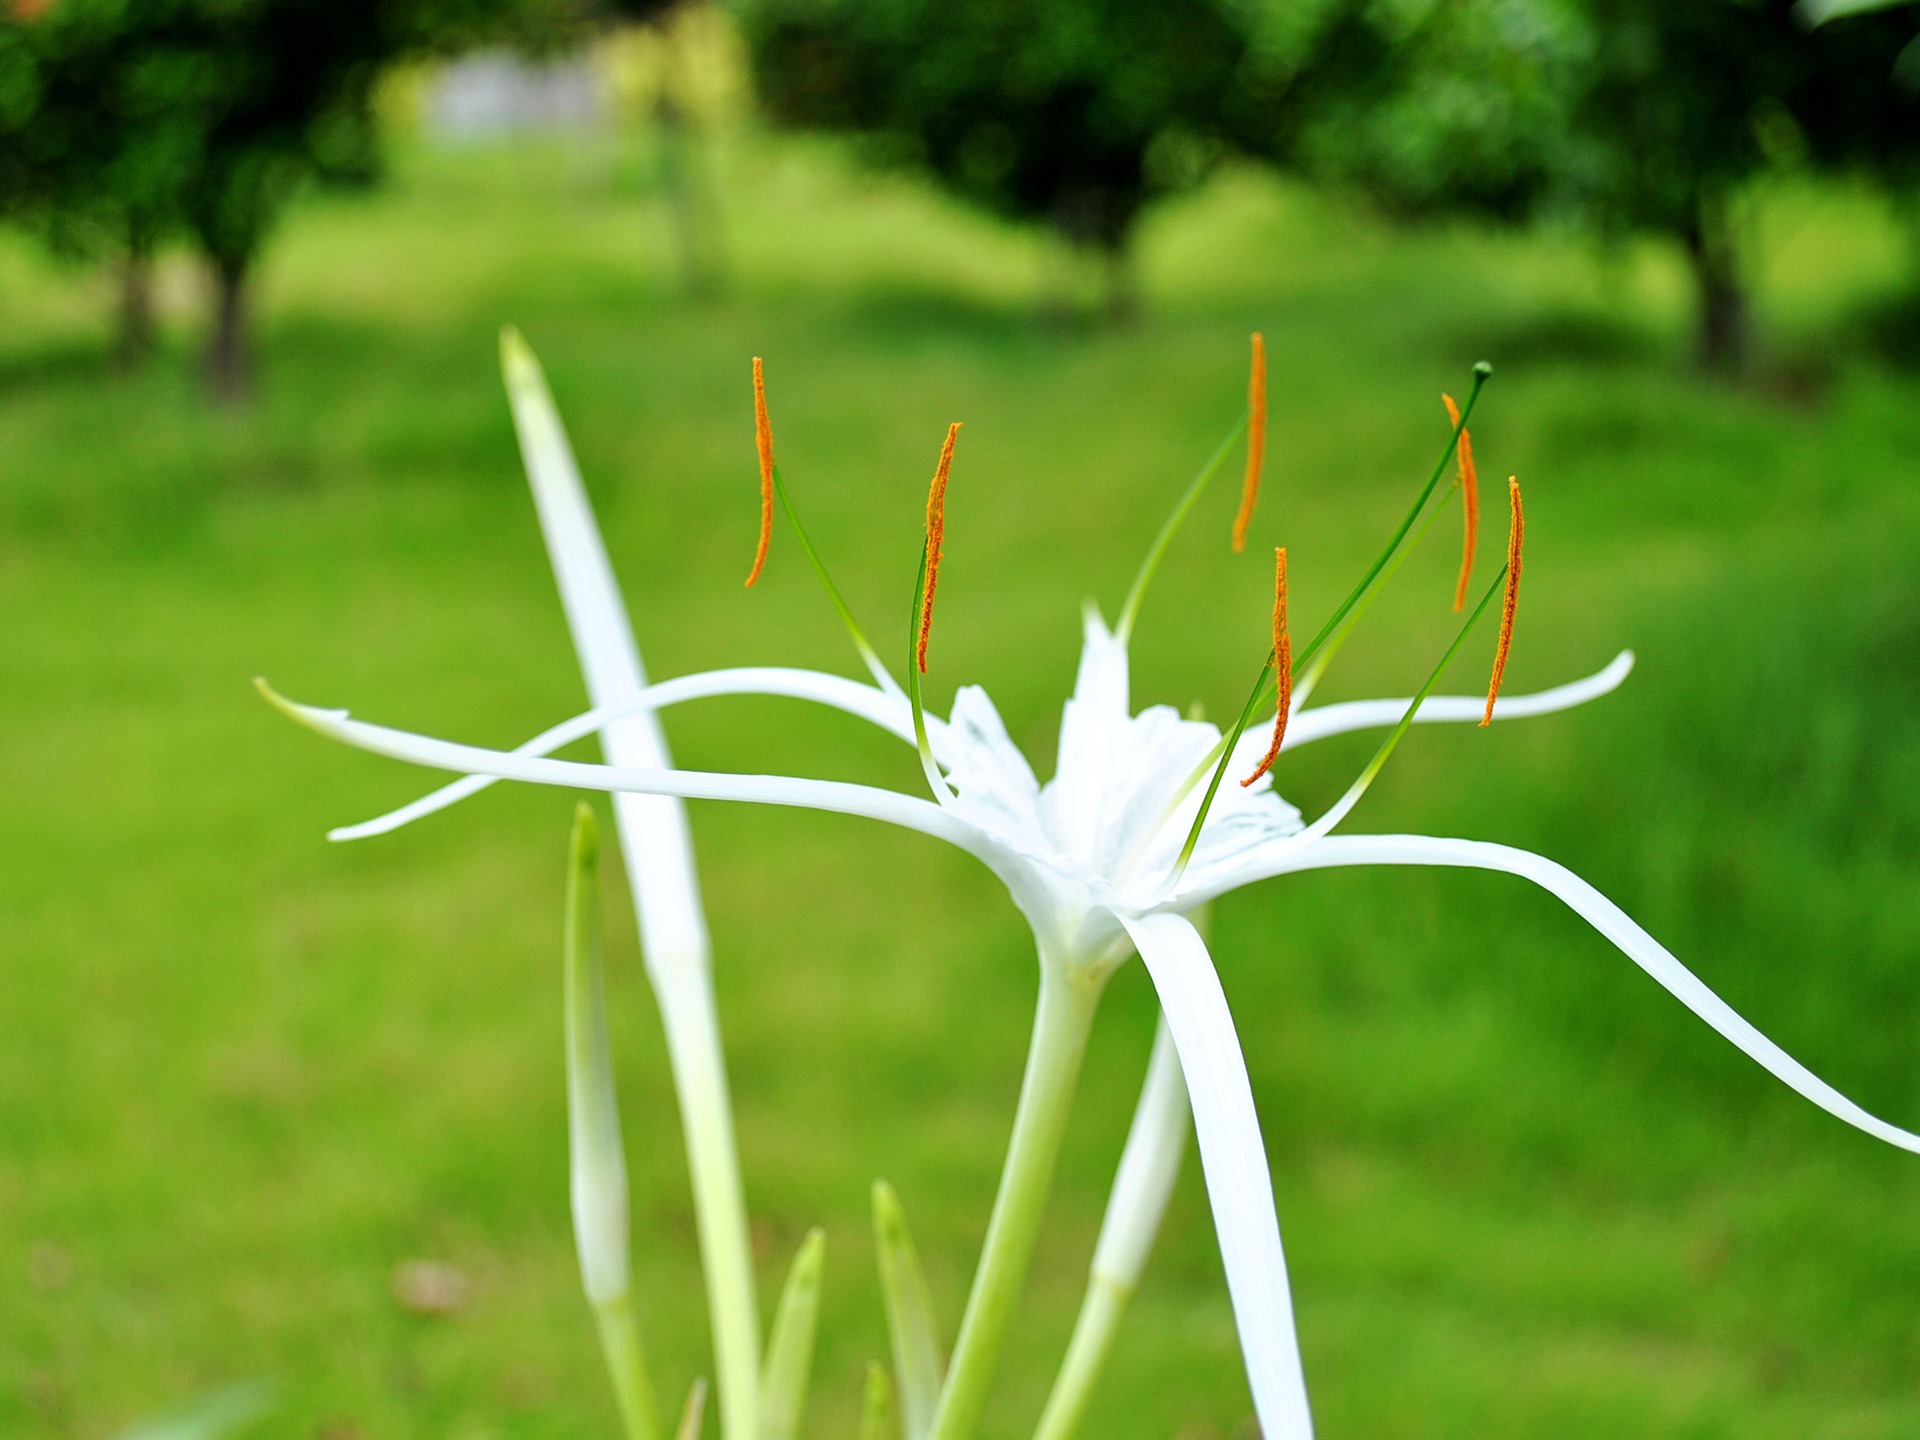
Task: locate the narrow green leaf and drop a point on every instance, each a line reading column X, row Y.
column 596, row 1156
column 876, row 1411
column 916, row 1338
column 783, row 1390
column 694, row 1413
column 214, row 1416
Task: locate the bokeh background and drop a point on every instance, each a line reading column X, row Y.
column 252, row 425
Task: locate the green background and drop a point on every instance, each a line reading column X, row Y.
column 244, row 1073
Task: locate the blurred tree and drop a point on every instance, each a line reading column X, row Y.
column 123, row 121
column 1071, row 112
column 1688, row 101
column 1629, row 115
column 99, row 123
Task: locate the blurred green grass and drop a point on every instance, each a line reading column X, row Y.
column 243, row 1073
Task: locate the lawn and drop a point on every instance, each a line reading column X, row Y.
column 244, row 1073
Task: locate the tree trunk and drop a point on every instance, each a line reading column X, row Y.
column 229, row 348
column 133, row 311
column 690, row 206
column 1726, row 325
column 1122, row 281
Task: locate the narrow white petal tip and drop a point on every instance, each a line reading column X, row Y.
column 1618, row 671
column 310, row 715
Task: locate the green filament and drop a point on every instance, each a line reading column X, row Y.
column 1375, row 765
column 860, row 643
column 935, row 780
column 1130, row 611
column 1369, row 584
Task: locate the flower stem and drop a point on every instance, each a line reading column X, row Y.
column 1093, row 1335
column 1064, row 1017
column 626, row 1362
column 706, row 1116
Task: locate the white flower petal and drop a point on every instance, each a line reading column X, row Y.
column 889, row 712
column 1317, row 724
column 836, row 796
column 993, row 783
column 1235, row 1161
column 1614, row 923
column 1072, row 801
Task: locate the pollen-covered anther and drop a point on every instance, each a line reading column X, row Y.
column 936, row 534
column 1516, row 530
column 1256, row 440
column 1469, row 504
column 763, row 443
column 1282, row 667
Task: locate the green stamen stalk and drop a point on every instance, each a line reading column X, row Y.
column 1130, row 611
column 1254, row 701
column 1346, row 802
column 1318, row 668
column 868, row 654
column 1369, row 583
column 935, row 780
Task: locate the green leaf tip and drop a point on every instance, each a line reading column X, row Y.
column 694, row 1413
column 876, row 1407
column 586, row 836
column 917, row 1362
column 517, row 360
column 215, row 1416
column 783, row 1390
column 307, row 715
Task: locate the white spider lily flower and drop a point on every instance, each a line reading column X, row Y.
column 1106, row 860
column 1087, row 857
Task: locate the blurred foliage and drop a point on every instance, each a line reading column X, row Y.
column 1624, row 115
column 124, row 122
column 1070, row 112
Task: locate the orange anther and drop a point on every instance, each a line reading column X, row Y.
column 1469, row 502
column 763, row 442
column 1256, row 440
column 1516, row 528
column 1282, row 666
column 936, row 533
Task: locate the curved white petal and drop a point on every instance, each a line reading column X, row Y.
column 889, row 712
column 1614, row 923
column 1319, row 723
column 837, row 796
column 1235, row 1161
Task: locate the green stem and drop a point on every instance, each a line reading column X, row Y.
column 1068, row 998
column 1093, row 1335
column 720, row 1212
column 620, row 1339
